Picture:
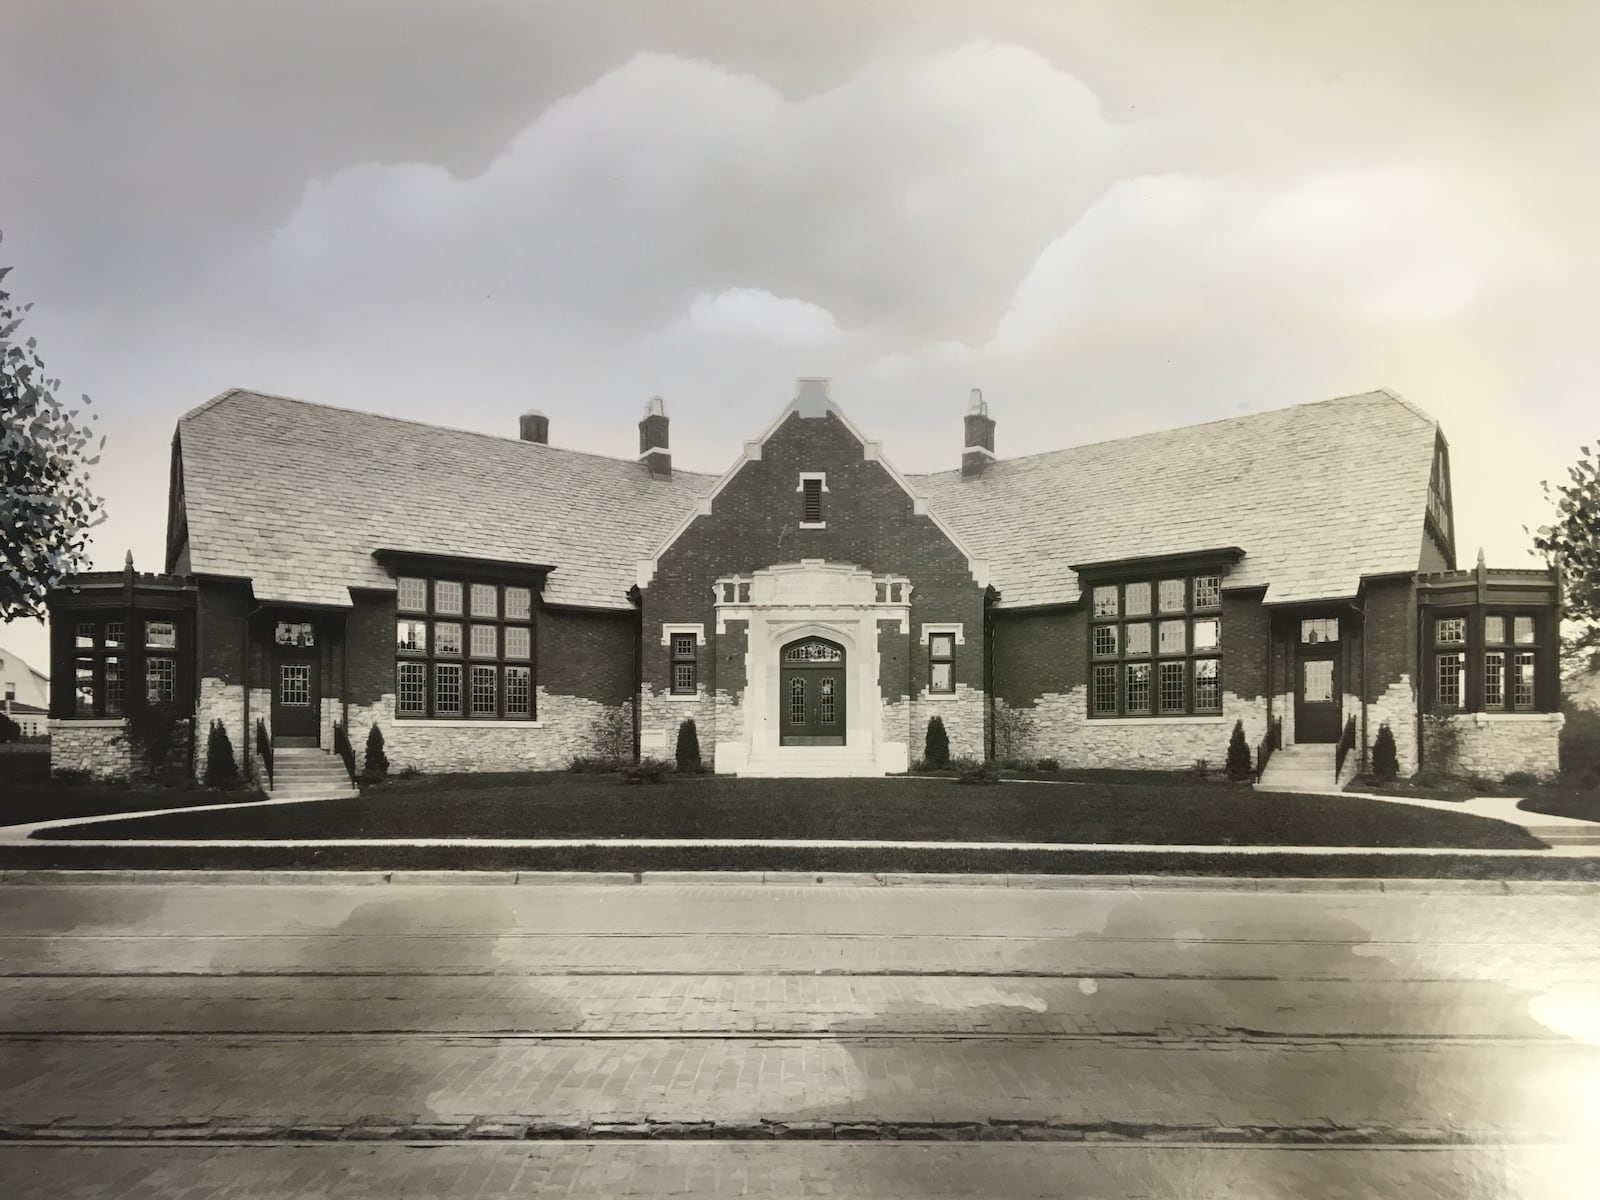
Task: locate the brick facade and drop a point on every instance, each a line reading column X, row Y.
column 814, row 534
column 869, row 522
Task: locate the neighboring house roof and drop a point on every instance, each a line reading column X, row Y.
column 297, row 497
column 1317, row 496
column 33, row 687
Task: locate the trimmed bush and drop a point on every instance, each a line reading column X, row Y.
column 1049, row 764
column 222, row 768
column 978, row 773
column 10, row 731
column 649, row 771
column 1385, row 759
column 688, row 748
column 1239, row 757
column 594, row 764
column 936, row 749
column 1520, row 779
column 377, row 763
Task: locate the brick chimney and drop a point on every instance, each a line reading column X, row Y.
column 653, row 450
column 979, row 450
column 534, row 427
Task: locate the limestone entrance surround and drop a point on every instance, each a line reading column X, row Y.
column 812, row 598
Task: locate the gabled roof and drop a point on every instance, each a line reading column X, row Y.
column 300, row 497
column 812, row 400
column 297, row 497
column 1317, row 496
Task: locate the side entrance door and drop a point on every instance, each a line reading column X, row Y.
column 1317, row 687
column 811, row 684
column 296, row 696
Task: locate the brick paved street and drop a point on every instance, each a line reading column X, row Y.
column 631, row 1041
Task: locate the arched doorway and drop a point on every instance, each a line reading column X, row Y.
column 811, row 693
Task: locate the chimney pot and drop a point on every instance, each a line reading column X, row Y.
column 534, row 426
column 978, row 450
column 653, row 451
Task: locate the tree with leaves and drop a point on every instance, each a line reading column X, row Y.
column 1571, row 544
column 46, row 506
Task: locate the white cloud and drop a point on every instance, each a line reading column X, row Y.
column 755, row 313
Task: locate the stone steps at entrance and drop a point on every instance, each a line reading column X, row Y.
column 809, row 762
column 1304, row 768
column 303, row 773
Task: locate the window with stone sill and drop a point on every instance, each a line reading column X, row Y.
column 103, row 660
column 1487, row 664
column 685, row 664
column 942, row 664
column 463, row 650
column 1155, row 647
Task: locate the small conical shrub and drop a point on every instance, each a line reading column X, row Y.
column 936, row 750
column 1385, row 759
column 377, row 762
column 222, row 768
column 1239, row 754
column 688, row 747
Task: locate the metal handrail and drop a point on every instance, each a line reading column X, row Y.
column 264, row 748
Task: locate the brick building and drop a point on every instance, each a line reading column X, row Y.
column 499, row 603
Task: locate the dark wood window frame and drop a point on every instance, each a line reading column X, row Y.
column 429, row 657
column 132, row 654
column 1110, row 658
column 941, row 652
column 685, row 660
column 1491, row 660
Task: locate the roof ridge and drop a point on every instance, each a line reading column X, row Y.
column 361, row 412
column 1171, row 429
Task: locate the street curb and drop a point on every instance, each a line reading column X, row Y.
column 1034, row 882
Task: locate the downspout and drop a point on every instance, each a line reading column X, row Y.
column 1365, row 763
column 636, row 597
column 988, row 671
column 249, row 730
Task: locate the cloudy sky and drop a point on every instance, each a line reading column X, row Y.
column 1110, row 217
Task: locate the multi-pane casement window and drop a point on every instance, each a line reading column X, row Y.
column 942, row 664
column 1510, row 660
column 107, row 650
column 1155, row 647
column 1490, row 667
column 685, row 664
column 463, row 649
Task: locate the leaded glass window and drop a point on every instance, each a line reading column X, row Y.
column 1450, row 631
column 1121, row 627
column 685, row 664
column 499, row 631
column 942, row 663
column 1449, row 679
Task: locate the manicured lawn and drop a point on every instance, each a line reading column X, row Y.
column 22, row 803
column 46, row 856
column 1563, row 800
column 601, row 808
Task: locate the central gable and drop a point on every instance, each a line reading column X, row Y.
column 812, row 487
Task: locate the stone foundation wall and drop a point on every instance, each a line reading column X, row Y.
column 567, row 728
column 963, row 715
column 99, row 749
column 219, row 701
column 1061, row 729
column 1493, row 745
column 1398, row 708
column 103, row 749
column 661, row 714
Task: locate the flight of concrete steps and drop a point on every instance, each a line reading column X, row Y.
column 808, row 762
column 1305, row 768
column 307, row 773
